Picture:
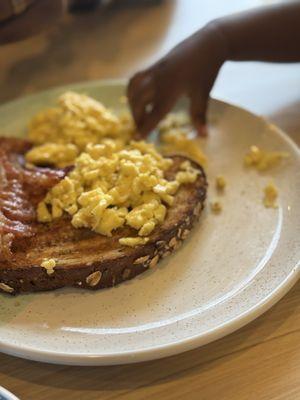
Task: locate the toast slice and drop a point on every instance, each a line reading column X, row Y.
column 88, row 260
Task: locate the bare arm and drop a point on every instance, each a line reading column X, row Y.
column 269, row 33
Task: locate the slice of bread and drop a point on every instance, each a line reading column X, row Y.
column 88, row 260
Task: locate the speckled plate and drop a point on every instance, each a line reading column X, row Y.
column 233, row 267
column 6, row 395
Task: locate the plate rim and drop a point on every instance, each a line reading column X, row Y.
column 9, row 395
column 178, row 346
column 159, row 351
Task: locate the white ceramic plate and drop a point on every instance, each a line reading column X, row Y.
column 6, row 395
column 233, row 267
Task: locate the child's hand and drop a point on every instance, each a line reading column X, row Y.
column 189, row 69
column 270, row 33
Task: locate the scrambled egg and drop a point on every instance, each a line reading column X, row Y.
column 175, row 136
column 216, row 206
column 133, row 241
column 115, row 181
column 49, row 265
column 112, row 186
column 60, row 134
column 60, row 155
column 174, row 120
column 177, row 141
column 270, row 196
column 220, row 183
column 263, row 160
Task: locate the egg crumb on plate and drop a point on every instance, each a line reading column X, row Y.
column 216, row 206
column 177, row 140
column 174, row 120
column 220, row 183
column 270, row 196
column 177, row 136
column 262, row 159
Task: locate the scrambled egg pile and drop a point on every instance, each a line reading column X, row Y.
column 263, row 160
column 60, row 134
column 115, row 181
column 112, row 186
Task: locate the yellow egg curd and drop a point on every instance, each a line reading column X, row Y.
column 112, row 186
column 115, row 181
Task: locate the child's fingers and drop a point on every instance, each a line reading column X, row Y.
column 198, row 108
column 151, row 95
column 161, row 103
column 141, row 93
column 160, row 108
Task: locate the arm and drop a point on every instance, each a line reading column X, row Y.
column 269, row 33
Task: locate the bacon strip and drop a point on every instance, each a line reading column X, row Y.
column 20, row 191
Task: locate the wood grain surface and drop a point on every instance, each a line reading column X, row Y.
column 260, row 361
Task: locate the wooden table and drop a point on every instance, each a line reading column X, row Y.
column 260, row 361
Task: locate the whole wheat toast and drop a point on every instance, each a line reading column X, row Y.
column 88, row 260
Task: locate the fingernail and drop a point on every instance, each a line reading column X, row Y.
column 201, row 129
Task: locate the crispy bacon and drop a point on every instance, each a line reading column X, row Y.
column 39, row 180
column 21, row 189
